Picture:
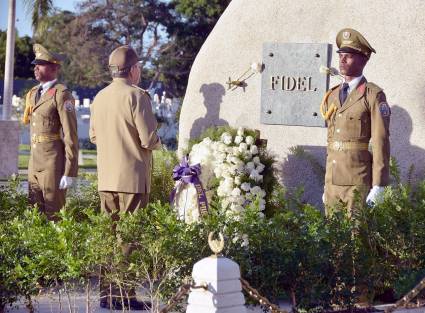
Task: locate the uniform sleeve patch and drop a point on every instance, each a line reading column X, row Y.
column 385, row 110
column 69, row 106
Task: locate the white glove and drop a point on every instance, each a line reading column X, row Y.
column 375, row 195
column 65, row 182
column 323, row 198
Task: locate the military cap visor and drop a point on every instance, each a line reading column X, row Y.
column 349, row 50
column 41, row 62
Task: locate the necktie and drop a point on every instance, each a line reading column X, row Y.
column 38, row 95
column 344, row 93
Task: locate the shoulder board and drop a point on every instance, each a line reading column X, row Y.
column 373, row 87
column 60, row 87
column 142, row 90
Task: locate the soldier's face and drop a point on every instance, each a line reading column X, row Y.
column 45, row 72
column 351, row 64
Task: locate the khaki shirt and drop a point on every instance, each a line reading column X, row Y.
column 363, row 118
column 123, row 128
column 54, row 115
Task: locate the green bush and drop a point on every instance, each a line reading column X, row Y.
column 295, row 253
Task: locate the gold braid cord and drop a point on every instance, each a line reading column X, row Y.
column 28, row 109
column 328, row 113
column 408, row 297
column 253, row 293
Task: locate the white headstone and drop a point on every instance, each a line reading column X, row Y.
column 86, row 102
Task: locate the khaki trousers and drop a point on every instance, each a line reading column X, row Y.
column 335, row 194
column 113, row 203
column 43, row 190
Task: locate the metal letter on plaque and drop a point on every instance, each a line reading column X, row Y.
column 292, row 87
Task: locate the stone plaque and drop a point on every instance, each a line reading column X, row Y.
column 292, row 86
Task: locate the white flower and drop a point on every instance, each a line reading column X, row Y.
column 249, row 166
column 236, row 208
column 249, row 140
column 261, row 215
column 243, row 147
column 255, row 176
column 253, row 149
column 256, row 160
column 328, row 70
column 207, row 141
column 246, row 186
column 235, row 150
column 260, row 168
column 236, row 192
column 218, row 171
column 238, row 139
column 257, row 67
column 234, row 159
column 239, row 200
column 225, row 203
column 221, row 147
column 240, row 131
column 226, row 138
column 237, row 180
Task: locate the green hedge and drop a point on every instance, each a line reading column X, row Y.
column 297, row 253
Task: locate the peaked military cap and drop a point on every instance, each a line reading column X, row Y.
column 122, row 58
column 44, row 56
column 351, row 41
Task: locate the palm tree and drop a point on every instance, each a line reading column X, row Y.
column 39, row 10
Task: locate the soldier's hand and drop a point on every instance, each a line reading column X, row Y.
column 65, row 182
column 323, row 198
column 375, row 195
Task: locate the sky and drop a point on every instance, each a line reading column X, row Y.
column 23, row 19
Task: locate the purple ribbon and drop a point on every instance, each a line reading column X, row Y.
column 189, row 174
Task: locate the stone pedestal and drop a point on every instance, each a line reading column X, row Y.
column 9, row 146
column 224, row 294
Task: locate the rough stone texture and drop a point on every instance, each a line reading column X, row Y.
column 9, row 146
column 396, row 29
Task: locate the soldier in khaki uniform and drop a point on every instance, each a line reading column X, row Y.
column 50, row 111
column 358, row 120
column 123, row 128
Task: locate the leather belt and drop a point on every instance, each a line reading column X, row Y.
column 45, row 138
column 347, row 145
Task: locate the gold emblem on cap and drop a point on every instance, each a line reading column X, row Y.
column 346, row 35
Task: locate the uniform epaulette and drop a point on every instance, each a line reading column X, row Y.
column 373, row 87
column 60, row 87
column 142, row 90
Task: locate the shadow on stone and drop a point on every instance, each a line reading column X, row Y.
column 213, row 97
column 402, row 150
column 304, row 167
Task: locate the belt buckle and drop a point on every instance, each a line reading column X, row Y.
column 337, row 145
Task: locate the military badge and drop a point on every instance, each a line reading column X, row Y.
column 384, row 108
column 346, row 35
column 69, row 106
